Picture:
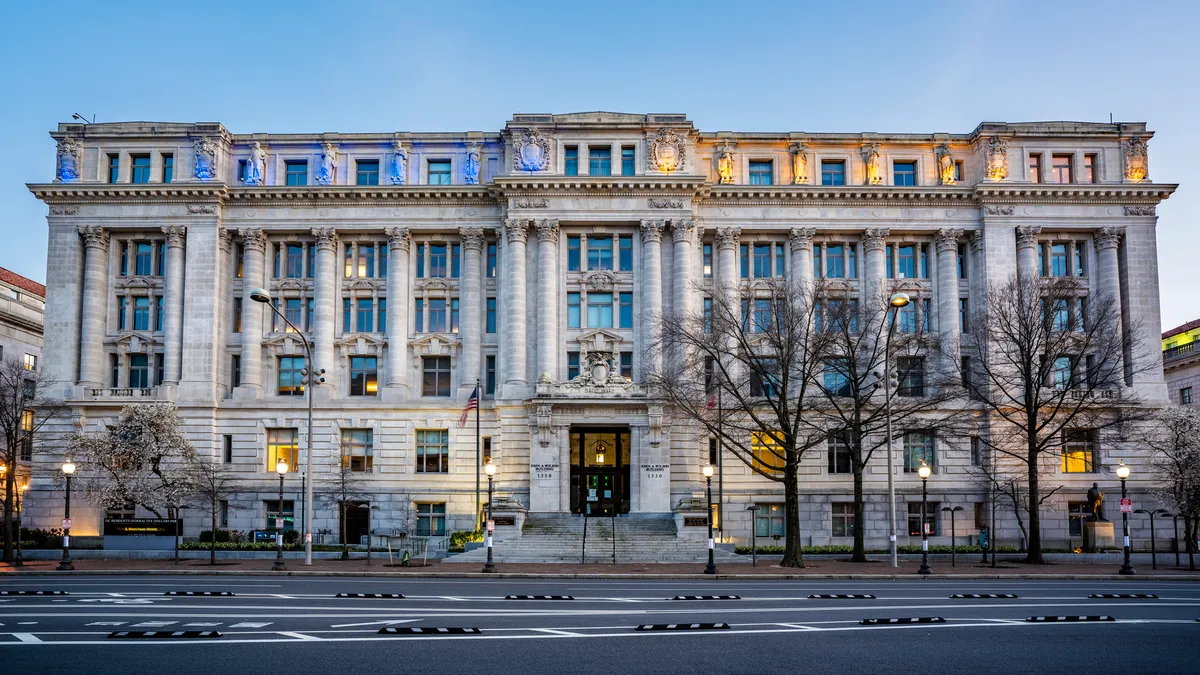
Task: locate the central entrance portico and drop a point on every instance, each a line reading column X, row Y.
column 600, row 459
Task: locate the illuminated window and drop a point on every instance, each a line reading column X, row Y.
column 1079, row 451
column 283, row 444
column 1035, row 168
column 1064, row 168
column 768, row 521
column 357, row 449
column 1089, row 169
column 767, row 453
column 363, row 376
column 26, row 435
column 291, row 380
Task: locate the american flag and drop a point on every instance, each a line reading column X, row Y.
column 472, row 403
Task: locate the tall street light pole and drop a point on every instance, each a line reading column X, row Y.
column 311, row 376
column 65, row 565
column 281, row 468
column 711, row 568
column 896, row 302
column 924, row 472
column 1123, row 474
column 490, row 566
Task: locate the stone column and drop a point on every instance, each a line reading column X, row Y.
column 874, row 278
column 173, row 321
column 947, row 281
column 683, row 232
column 471, row 329
column 515, row 321
column 1107, row 241
column 95, row 300
column 325, row 296
column 1027, row 250
column 547, row 300
column 801, row 274
column 652, row 295
column 254, row 245
column 399, row 242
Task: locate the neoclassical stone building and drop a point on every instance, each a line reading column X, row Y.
column 531, row 260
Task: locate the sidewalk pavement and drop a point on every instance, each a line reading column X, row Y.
column 817, row 569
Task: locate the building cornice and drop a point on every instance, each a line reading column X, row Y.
column 816, row 195
column 105, row 193
column 375, row 195
column 1087, row 193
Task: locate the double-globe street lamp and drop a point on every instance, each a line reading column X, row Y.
column 1123, row 474
column 489, row 567
column 281, row 468
column 711, row 567
column 311, row 377
column 897, row 301
column 65, row 565
column 924, row 472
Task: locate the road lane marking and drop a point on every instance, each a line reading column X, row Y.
column 555, row 631
column 372, row 623
column 200, row 625
column 26, row 638
column 251, row 624
column 106, row 623
column 300, row 636
column 153, row 624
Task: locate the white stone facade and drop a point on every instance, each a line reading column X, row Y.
column 524, row 257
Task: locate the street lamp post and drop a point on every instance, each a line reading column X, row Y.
column 953, row 549
column 1123, row 474
column 489, row 567
column 924, row 471
column 897, row 301
column 65, row 565
column 711, row 568
column 281, row 468
column 753, row 509
column 311, row 376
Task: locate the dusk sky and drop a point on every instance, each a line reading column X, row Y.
column 760, row 66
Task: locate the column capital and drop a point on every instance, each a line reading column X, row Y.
column 947, row 239
column 176, row 234
column 727, row 237
column 683, row 229
column 225, row 238
column 977, row 240
column 801, row 238
column 1108, row 237
column 326, row 237
column 652, row 230
column 399, row 238
column 516, row 230
column 253, row 238
column 547, row 230
column 472, row 238
column 1027, row 235
column 873, row 239
column 94, row 236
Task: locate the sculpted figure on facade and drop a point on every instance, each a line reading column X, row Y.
column 70, row 155
column 327, row 171
column 256, row 165
column 471, row 167
column 725, row 165
column 946, row 172
column 997, row 158
column 870, row 155
column 532, row 152
column 206, row 159
column 667, row 151
column 1136, row 162
column 398, row 169
column 799, row 164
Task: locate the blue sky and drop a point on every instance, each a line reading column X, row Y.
column 749, row 66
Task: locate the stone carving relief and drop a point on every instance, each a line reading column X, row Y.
column 977, row 240
column 202, row 209
column 398, row 169
column 206, row 159
column 873, row 239
column 547, row 230
column 600, row 364
column 652, row 230
column 544, row 414
column 667, row 151
column 1140, row 211
column 801, row 238
column 600, row 281
column 947, row 239
column 666, row 203
column 399, row 238
column 472, row 165
column 516, row 230
column 176, row 235
column 799, row 164
column 531, row 203
column 225, row 238
column 70, row 155
column 997, row 158
column 472, row 237
column 1027, row 235
column 725, row 165
column 64, row 210
column 870, row 155
column 326, row 238
column 256, row 165
column 727, row 237
column 532, row 152
column 1137, row 168
column 999, row 209
column 945, row 165
column 1109, row 237
column 253, row 237
column 682, row 229
column 94, row 236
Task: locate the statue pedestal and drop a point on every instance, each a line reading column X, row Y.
column 1098, row 536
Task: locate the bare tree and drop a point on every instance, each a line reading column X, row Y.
column 1176, row 445
column 344, row 489
column 1048, row 365
column 741, row 371
column 141, row 459
column 24, row 410
column 1009, row 488
column 209, row 483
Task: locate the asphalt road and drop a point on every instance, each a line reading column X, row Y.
column 297, row 625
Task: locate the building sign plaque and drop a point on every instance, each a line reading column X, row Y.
column 543, row 470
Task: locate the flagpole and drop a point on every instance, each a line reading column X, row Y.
column 720, row 471
column 478, row 456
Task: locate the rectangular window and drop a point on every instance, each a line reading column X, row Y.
column 1062, row 373
column 1185, row 396
column 490, row 376
column 291, row 380
column 627, row 365
column 764, row 380
column 626, row 307
column 143, row 258
column 627, row 160
column 762, row 261
column 911, row 370
column 288, row 514
column 768, row 521
column 1077, row 514
column 1035, row 168
column 600, row 310
column 1079, row 451
column 907, row 261
column 571, row 161
column 366, row 261
column 139, row 371
column 833, row 172
column 283, row 444
column 141, row 313
column 455, row 257
column 1081, row 258
column 842, row 524
column 294, row 261
column 366, row 172
column 364, row 376
column 227, row 448
column 365, row 315
column 115, row 367
column 419, row 316
column 838, row 450
column 358, row 449
column 235, row 371
column 599, row 253
column 762, row 315
column 168, row 168
column 625, row 248
column 1089, row 169
column 491, row 261
column 708, row 315
column 1058, row 260
column 834, row 263
column 761, row 173
column 768, row 457
column 779, row 260
column 976, row 451
column 890, row 251
column 708, row 261
column 491, row 315
column 431, row 520
column 599, row 161
column 223, row 515
column 573, row 310
column 158, row 313
column 906, row 321
column 572, row 254
column 296, row 172
column 572, row 365
column 931, row 519
column 962, row 261
column 1063, row 166
column 114, row 168
column 241, row 171
column 346, row 314
column 160, row 264
column 433, row 450
column 836, row 379
column 744, row 250
column 139, row 171
column 420, row 261
column 918, row 445
column 904, row 173
column 435, row 376
column 964, row 316
column 159, row 367
column 439, row 172
column 816, row 257
column 437, row 315
column 437, row 260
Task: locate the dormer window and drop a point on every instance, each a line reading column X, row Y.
column 599, row 161
column 571, row 161
column 439, row 172
column 761, row 172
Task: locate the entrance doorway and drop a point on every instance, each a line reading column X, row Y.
column 355, row 522
column 600, row 470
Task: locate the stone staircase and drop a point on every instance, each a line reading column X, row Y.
column 560, row 539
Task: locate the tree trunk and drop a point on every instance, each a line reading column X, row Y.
column 342, row 527
column 793, row 555
column 212, row 543
column 9, row 478
column 860, row 548
column 1034, row 537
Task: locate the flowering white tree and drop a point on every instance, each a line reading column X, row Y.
column 24, row 410
column 1176, row 446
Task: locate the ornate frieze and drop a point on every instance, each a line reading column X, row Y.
column 725, row 165
column 516, row 230
column 667, row 151
column 682, row 229
column 799, row 164
column 531, row 152
column 1027, row 235
column 947, row 239
column 547, row 230
column 873, row 239
column 600, row 281
column 253, row 238
column 945, row 165
column 997, row 158
column 999, row 209
column 327, row 169
column 399, row 238
column 256, row 165
column 326, row 238
column 472, row 165
column 870, row 155
column 727, row 237
column 94, row 236
column 801, row 238
column 398, row 168
column 202, row 209
column 1140, row 211
column 652, row 230
column 1109, row 237
column 666, row 203
column 539, row 203
column 70, row 155
column 64, row 210
column 176, row 235
column 205, row 151
column 1137, row 168
column 472, row 237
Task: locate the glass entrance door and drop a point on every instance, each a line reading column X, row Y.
column 600, row 470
